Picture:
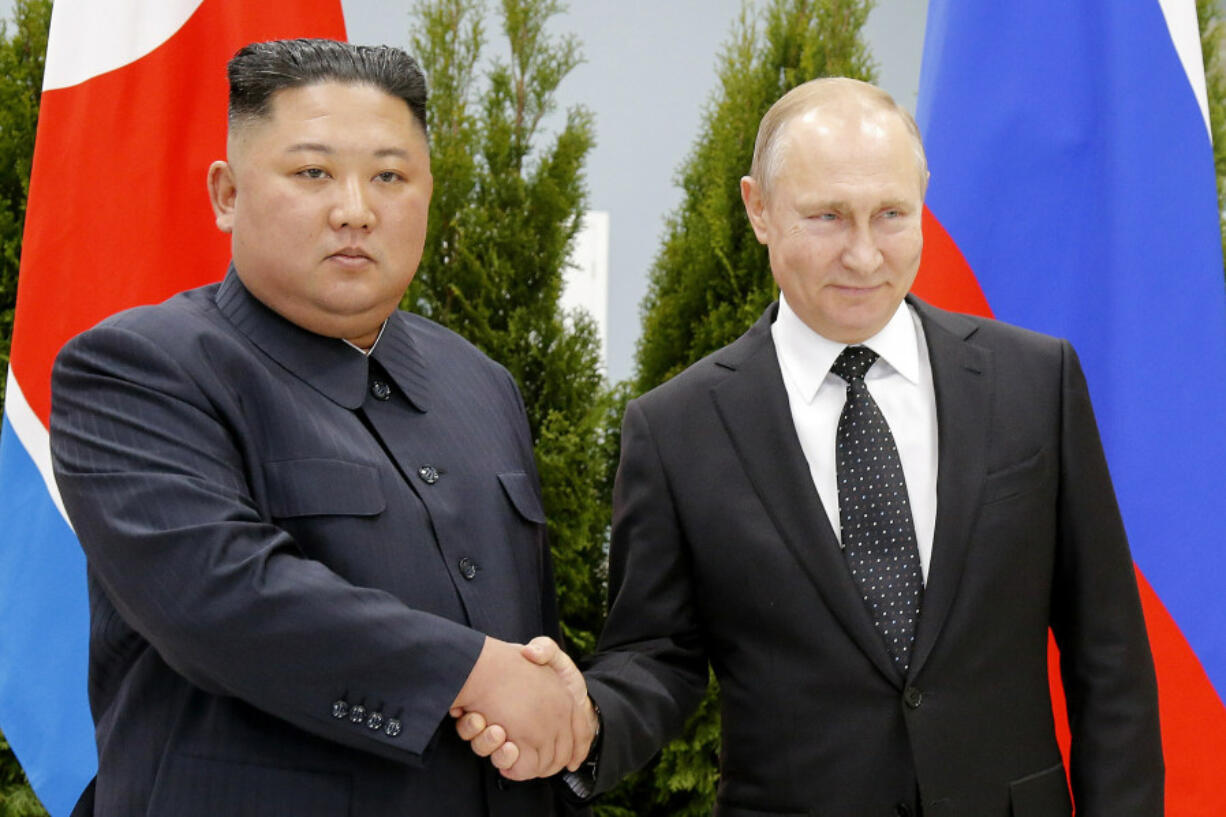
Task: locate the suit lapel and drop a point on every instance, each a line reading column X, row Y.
column 753, row 405
column 962, row 375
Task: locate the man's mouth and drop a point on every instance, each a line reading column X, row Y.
column 350, row 255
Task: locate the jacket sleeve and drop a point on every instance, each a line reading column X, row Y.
column 650, row 671
column 154, row 483
column 1106, row 666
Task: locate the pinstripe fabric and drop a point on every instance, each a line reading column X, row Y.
column 265, row 552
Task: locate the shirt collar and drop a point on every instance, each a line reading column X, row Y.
column 808, row 356
column 366, row 352
column 329, row 365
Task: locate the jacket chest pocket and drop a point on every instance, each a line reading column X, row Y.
column 520, row 489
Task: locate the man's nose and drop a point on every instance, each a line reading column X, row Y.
column 352, row 209
column 861, row 254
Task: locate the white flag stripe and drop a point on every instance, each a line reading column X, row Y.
column 91, row 37
column 33, row 437
column 1185, row 34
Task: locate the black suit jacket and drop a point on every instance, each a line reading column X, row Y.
column 293, row 554
column 721, row 552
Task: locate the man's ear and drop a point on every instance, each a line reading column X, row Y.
column 755, row 206
column 222, row 193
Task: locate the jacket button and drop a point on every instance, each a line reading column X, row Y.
column 429, row 474
column 912, row 697
column 374, row 721
column 357, row 714
column 380, row 389
column 391, row 728
column 468, row 568
column 340, row 709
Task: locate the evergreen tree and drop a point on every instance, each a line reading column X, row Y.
column 1209, row 16
column 22, row 54
column 711, row 279
column 507, row 205
column 16, row 797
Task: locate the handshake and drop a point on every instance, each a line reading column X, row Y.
column 526, row 708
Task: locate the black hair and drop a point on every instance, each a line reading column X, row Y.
column 259, row 70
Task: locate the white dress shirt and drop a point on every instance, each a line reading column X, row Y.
column 901, row 383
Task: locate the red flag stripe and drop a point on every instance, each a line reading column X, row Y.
column 118, row 213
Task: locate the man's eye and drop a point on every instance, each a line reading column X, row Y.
column 389, row 176
column 313, row 173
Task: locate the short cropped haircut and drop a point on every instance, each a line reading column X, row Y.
column 259, row 70
column 813, row 95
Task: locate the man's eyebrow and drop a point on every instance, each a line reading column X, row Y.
column 815, row 203
column 308, row 147
column 839, row 205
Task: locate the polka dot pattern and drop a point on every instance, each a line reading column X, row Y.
column 874, row 511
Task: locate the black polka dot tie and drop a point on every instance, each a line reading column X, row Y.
column 874, row 512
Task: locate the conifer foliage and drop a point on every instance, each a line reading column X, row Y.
column 508, row 202
column 17, row 799
column 1212, row 24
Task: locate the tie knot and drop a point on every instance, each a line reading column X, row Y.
column 854, row 362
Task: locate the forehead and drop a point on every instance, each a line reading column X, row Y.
column 848, row 146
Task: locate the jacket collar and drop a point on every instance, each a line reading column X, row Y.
column 329, row 365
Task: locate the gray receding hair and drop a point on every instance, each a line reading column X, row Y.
column 813, row 95
column 259, row 70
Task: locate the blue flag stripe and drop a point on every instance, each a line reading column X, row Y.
column 43, row 584
column 1072, row 165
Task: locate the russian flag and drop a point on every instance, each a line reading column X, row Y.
column 1073, row 192
column 133, row 111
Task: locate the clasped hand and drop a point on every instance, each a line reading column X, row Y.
column 526, row 708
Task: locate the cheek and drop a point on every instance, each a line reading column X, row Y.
column 278, row 219
column 905, row 245
column 409, row 222
column 804, row 256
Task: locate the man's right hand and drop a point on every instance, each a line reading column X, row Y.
column 489, row 739
column 531, row 703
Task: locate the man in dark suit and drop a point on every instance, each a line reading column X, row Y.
column 865, row 514
column 312, row 522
